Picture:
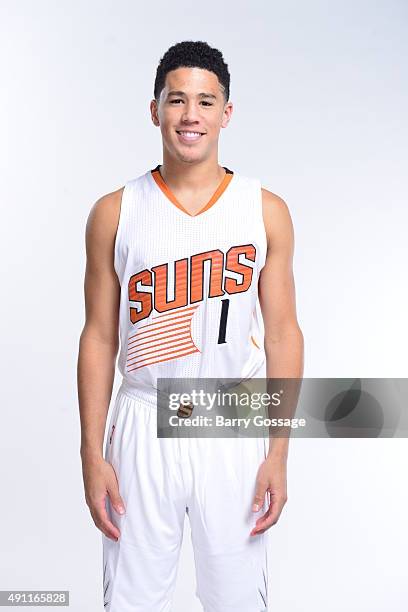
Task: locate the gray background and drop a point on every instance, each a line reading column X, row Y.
column 320, row 91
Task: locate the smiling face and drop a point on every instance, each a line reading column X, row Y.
column 190, row 113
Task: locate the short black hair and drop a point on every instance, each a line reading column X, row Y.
column 192, row 54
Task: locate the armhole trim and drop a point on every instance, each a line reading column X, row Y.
column 119, row 229
column 261, row 219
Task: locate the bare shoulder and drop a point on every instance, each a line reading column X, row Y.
column 276, row 216
column 103, row 219
column 101, row 284
column 273, row 205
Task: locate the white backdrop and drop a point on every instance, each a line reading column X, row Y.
column 320, row 95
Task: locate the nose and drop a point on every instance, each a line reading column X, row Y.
column 190, row 112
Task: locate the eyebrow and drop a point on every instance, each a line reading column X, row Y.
column 182, row 93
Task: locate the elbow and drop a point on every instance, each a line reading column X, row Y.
column 289, row 334
column 91, row 338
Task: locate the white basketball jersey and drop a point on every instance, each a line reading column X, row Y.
column 189, row 283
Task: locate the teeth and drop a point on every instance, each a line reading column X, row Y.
column 190, row 134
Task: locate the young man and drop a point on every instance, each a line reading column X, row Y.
column 148, row 245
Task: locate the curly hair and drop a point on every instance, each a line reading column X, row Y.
column 193, row 54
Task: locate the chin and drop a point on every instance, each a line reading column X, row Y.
column 189, row 158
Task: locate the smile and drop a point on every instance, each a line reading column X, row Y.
column 185, row 136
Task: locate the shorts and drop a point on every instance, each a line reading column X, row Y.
column 212, row 480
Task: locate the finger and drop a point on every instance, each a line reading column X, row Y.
column 259, row 497
column 106, row 527
column 116, row 500
column 261, row 520
column 270, row 517
column 101, row 520
column 114, row 495
column 264, row 525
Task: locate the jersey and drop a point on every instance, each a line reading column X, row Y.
column 189, row 304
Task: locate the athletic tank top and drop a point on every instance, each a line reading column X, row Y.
column 189, row 283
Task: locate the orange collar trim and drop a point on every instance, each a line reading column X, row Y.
column 170, row 195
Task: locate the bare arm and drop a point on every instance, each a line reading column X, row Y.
column 98, row 348
column 283, row 336
column 283, row 345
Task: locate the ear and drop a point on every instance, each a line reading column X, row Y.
column 227, row 114
column 154, row 113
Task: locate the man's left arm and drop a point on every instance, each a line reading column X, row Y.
column 283, row 344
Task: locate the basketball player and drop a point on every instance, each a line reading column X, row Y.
column 148, row 244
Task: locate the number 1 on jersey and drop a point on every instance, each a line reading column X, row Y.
column 223, row 321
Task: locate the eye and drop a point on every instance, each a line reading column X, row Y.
column 175, row 100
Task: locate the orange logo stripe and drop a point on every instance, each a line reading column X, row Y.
column 156, row 339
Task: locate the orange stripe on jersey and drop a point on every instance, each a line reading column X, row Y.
column 164, row 328
column 252, row 338
column 158, row 344
column 170, row 195
column 182, row 336
column 161, row 324
column 167, row 359
column 164, row 336
column 175, row 355
column 169, row 314
column 182, row 343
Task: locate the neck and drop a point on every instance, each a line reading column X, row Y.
column 190, row 176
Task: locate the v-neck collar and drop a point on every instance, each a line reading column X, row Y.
column 155, row 173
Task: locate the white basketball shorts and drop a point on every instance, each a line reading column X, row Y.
column 212, row 480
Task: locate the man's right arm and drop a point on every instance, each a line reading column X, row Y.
column 98, row 348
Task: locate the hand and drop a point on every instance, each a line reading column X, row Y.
column 100, row 480
column 271, row 477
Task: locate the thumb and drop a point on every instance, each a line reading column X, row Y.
column 115, row 499
column 259, row 497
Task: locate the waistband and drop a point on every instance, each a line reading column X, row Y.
column 148, row 396
column 152, row 395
